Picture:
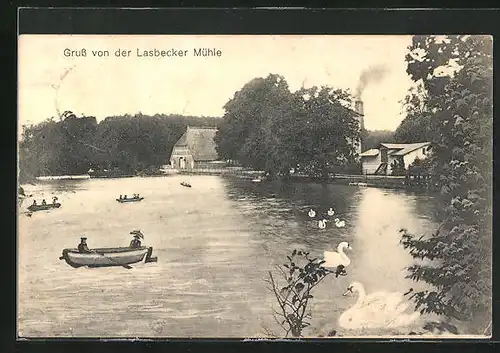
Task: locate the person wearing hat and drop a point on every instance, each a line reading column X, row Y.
column 136, row 242
column 82, row 247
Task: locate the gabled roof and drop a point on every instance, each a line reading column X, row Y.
column 394, row 146
column 370, row 153
column 410, row 147
column 396, row 149
column 200, row 141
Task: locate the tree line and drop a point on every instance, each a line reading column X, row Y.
column 72, row 145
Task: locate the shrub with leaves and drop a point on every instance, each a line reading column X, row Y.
column 458, row 254
column 398, row 168
column 300, row 275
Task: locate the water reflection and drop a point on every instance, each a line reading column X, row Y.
column 215, row 243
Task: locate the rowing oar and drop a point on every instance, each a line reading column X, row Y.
column 126, row 266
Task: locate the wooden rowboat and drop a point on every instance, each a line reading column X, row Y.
column 106, row 257
column 48, row 206
column 133, row 199
column 187, row 185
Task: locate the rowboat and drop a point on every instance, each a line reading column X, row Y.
column 106, row 257
column 48, row 206
column 133, row 199
column 186, row 184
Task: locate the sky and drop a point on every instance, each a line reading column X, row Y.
column 200, row 86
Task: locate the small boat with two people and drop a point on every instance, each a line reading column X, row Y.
column 185, row 184
column 44, row 206
column 135, row 198
column 106, row 257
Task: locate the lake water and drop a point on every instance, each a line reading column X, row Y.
column 215, row 244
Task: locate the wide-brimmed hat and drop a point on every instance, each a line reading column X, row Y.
column 83, row 238
column 137, row 233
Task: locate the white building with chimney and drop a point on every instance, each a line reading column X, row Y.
column 379, row 160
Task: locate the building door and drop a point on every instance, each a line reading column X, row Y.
column 182, row 163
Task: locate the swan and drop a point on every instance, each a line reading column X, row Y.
column 331, row 212
column 322, row 224
column 339, row 223
column 337, row 258
column 312, row 213
column 376, row 310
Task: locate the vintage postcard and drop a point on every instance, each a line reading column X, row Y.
column 271, row 186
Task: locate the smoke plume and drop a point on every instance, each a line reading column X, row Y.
column 373, row 74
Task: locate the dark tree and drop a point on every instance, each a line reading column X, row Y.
column 373, row 138
column 266, row 127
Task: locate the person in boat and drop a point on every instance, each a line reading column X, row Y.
column 83, row 247
column 124, row 197
column 34, row 203
column 44, row 203
column 136, row 242
column 121, row 197
column 54, row 199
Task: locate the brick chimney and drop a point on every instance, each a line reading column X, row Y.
column 358, row 106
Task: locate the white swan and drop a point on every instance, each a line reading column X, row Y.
column 339, row 223
column 330, row 212
column 312, row 213
column 376, row 310
column 322, row 224
column 337, row 258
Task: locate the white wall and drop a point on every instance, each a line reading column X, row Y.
column 410, row 157
column 370, row 164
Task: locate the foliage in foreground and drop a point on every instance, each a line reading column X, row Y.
column 300, row 276
column 459, row 111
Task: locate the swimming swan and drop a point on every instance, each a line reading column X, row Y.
column 330, row 212
column 376, row 310
column 312, row 213
column 322, row 224
column 339, row 223
column 337, row 258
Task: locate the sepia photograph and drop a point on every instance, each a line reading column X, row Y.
column 255, row 186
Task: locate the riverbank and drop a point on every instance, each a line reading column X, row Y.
column 377, row 181
column 233, row 172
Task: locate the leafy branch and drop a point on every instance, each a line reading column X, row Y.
column 301, row 275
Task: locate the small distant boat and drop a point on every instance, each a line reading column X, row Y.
column 106, row 257
column 257, row 180
column 48, row 206
column 131, row 199
column 186, row 184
